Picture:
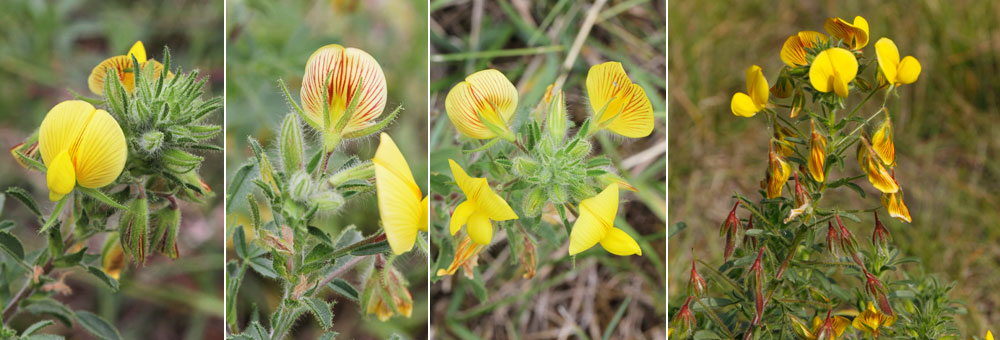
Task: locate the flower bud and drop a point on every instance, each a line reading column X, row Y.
column 133, row 225
column 546, row 147
column 524, row 166
column 880, row 236
column 165, row 223
column 580, row 150
column 329, row 202
column 730, row 227
column 558, row 194
column 781, row 133
column 882, row 143
column 180, row 161
column 684, row 320
column 878, row 176
column 696, row 284
column 151, row 141
column 777, row 174
column 28, row 148
column 290, row 143
column 876, row 290
column 300, row 186
column 362, row 172
column 833, row 240
column 533, row 202
column 385, row 293
column 817, row 155
column 798, row 102
column 556, row 121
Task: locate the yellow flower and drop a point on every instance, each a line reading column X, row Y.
column 855, row 35
column 80, row 145
column 832, row 70
column 989, row 335
column 893, row 202
column 894, row 71
column 466, row 258
column 113, row 258
column 401, row 205
column 123, row 66
column 831, row 329
column 883, row 145
column 484, row 95
column 781, row 134
column 747, row 105
column 595, row 224
column 481, row 207
column 793, row 52
column 817, row 155
column 347, row 69
column 617, row 103
column 878, row 176
column 871, row 320
column 778, row 172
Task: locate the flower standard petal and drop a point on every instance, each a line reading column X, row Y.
column 617, row 103
column 792, row 52
column 888, row 59
column 595, row 220
column 399, row 197
column 487, row 94
column 757, row 86
column 62, row 126
column 346, row 69
column 832, row 70
column 101, row 152
column 855, row 35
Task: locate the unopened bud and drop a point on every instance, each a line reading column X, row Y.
column 783, row 86
column 165, row 224
column 133, row 225
column 684, row 320
column 880, row 236
column 364, row 171
column 524, row 166
column 798, row 102
column 290, row 143
column 817, row 155
column 329, row 202
column 533, row 202
column 180, row 161
column 777, row 173
column 151, row 141
column 386, row 294
column 580, row 150
column 301, row 186
column 696, row 283
column 557, row 194
column 556, row 121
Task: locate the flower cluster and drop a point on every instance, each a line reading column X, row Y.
column 826, row 68
column 544, row 167
column 343, row 96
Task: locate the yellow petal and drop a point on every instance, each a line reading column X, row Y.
column 792, row 52
column 883, row 145
column 608, row 85
column 839, row 85
column 817, row 157
column 888, row 59
column 840, row 323
column 854, row 35
column 811, row 38
column 113, row 260
column 487, row 93
column 399, row 197
column 861, row 37
column 424, row 207
column 989, row 335
column 620, row 243
column 347, row 68
column 478, row 191
column 139, row 51
column 893, row 202
column 597, row 215
column 742, row 105
column 101, row 151
column 757, row 87
column 909, row 70
column 121, row 64
column 60, row 176
column 835, row 67
column 461, row 215
column 480, row 228
column 62, row 126
column 880, row 178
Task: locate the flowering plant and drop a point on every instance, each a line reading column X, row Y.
column 800, row 271
column 118, row 168
column 290, row 238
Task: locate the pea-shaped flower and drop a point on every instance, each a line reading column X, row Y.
column 855, row 34
column 336, row 74
column 123, row 66
column 793, row 52
column 894, row 71
column 833, row 70
column 401, row 205
column 617, row 103
column 80, row 145
column 481, row 207
column 747, row 105
column 595, row 224
column 481, row 106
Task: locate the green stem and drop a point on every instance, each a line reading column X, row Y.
column 716, row 319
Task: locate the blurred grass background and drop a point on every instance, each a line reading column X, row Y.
column 946, row 130
column 532, row 43
column 50, row 47
column 269, row 41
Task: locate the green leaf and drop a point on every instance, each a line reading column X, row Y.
column 104, row 277
column 37, row 327
column 344, row 288
column 101, row 197
column 856, row 188
column 320, row 234
column 51, row 307
column 55, row 215
column 256, row 331
column 478, row 286
column 329, row 336
column 676, row 228
column 25, row 199
column 234, row 187
column 262, row 265
column 321, row 252
column 97, row 326
column 372, row 249
column 321, row 310
column 617, row 318
column 11, row 245
column 240, row 242
column 70, row 260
